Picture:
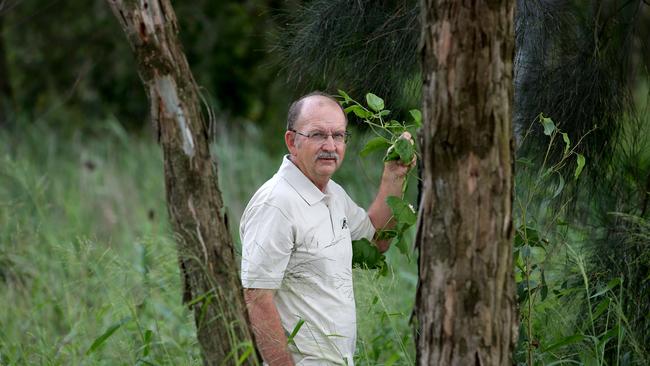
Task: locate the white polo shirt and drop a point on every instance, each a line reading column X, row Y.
column 297, row 239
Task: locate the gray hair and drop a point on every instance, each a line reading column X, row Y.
column 296, row 107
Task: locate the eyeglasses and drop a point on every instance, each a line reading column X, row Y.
column 320, row 137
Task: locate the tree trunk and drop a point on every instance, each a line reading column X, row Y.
column 465, row 304
column 206, row 256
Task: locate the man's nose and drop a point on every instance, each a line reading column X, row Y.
column 329, row 144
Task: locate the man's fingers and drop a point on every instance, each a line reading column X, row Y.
column 407, row 136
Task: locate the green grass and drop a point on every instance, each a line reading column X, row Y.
column 572, row 311
column 84, row 245
column 89, row 275
column 88, row 267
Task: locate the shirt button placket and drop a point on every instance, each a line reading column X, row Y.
column 328, row 204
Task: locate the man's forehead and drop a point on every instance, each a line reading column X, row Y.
column 319, row 100
column 318, row 111
column 323, row 124
column 319, row 104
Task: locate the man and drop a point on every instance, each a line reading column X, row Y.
column 296, row 237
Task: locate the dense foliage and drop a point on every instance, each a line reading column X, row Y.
column 73, row 56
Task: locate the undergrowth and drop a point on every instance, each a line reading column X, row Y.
column 88, row 267
column 89, row 272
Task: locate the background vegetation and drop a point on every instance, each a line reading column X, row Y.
column 86, row 246
column 88, row 267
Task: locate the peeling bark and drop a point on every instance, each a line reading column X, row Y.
column 206, row 254
column 465, row 304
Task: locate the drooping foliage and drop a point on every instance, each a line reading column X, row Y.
column 357, row 46
column 572, row 63
column 572, row 58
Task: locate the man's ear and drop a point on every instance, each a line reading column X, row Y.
column 290, row 141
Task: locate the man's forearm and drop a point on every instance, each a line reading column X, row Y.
column 392, row 180
column 379, row 211
column 267, row 327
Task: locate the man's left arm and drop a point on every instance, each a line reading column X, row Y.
column 392, row 180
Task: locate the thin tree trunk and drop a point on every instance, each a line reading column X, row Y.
column 465, row 304
column 206, row 255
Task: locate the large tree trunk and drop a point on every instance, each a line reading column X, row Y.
column 206, row 254
column 465, row 304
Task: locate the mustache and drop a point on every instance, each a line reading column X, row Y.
column 327, row 155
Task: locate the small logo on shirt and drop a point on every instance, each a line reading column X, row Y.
column 345, row 223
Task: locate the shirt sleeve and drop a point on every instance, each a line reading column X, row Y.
column 267, row 242
column 359, row 221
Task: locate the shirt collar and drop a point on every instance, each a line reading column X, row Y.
column 297, row 179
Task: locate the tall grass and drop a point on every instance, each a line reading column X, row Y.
column 568, row 313
column 84, row 246
column 88, row 267
column 89, row 274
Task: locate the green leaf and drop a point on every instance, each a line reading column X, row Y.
column 522, row 292
column 610, row 285
column 366, row 255
column 528, row 235
column 109, row 332
column 345, row 96
column 405, row 150
column 567, row 142
column 385, row 234
column 544, row 289
column 601, row 307
column 295, row 331
column 391, row 154
column 526, row 161
column 608, row 335
column 544, row 292
column 518, row 277
column 546, row 173
column 206, row 296
column 148, row 334
column 248, row 351
column 613, row 283
column 519, row 262
column 565, row 342
column 395, row 127
column 358, row 111
column 402, row 211
column 385, row 112
column 375, row 144
column 374, row 102
column 560, row 187
column 403, row 226
column 581, row 164
column 383, row 271
column 402, row 245
column 417, row 117
column 548, row 124
column 393, row 359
